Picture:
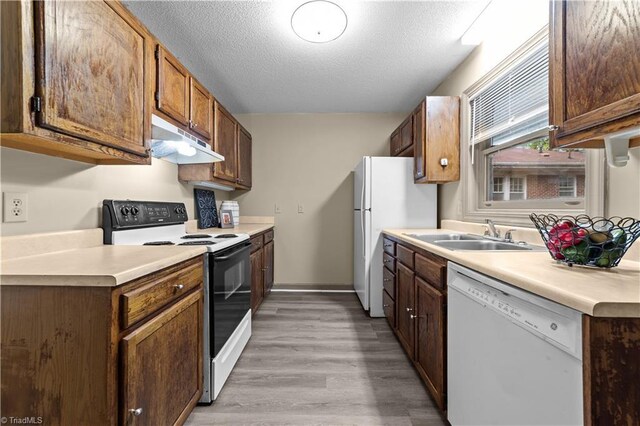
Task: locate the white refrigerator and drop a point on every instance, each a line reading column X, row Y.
column 384, row 196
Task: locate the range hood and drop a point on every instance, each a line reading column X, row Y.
column 173, row 144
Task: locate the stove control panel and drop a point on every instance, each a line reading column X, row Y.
column 126, row 214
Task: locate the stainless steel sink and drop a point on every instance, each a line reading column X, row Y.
column 432, row 238
column 486, row 245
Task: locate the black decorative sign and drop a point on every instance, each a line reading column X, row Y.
column 206, row 208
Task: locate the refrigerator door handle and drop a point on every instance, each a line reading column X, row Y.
column 364, row 255
column 364, row 183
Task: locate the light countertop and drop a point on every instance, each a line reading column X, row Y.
column 99, row 266
column 243, row 228
column 611, row 292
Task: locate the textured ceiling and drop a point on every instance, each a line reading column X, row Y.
column 391, row 54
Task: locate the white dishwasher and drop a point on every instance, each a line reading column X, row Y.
column 513, row 358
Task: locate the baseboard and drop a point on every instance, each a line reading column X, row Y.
column 318, row 288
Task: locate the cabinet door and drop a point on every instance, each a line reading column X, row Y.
column 594, row 68
column 430, row 338
column 396, row 142
column 405, row 302
column 442, row 139
column 268, row 266
column 244, row 157
column 162, row 365
column 225, row 144
column 173, row 86
column 406, row 134
column 91, row 73
column 201, row 110
column 257, row 290
column 419, row 141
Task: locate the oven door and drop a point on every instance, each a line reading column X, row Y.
column 230, row 286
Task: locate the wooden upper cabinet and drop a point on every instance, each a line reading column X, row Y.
column 76, row 81
column 594, row 70
column 406, row 134
column 201, row 110
column 165, row 355
column 91, row 78
column 396, row 142
column 402, row 139
column 244, row 158
column 173, row 87
column 225, row 144
column 437, row 140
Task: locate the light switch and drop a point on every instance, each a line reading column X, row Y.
column 300, row 208
column 277, row 209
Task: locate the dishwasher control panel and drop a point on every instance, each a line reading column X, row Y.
column 559, row 325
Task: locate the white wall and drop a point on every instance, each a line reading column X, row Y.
column 308, row 159
column 65, row 195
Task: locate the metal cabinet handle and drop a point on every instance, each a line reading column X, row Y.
column 552, row 127
column 388, row 245
column 444, row 162
column 265, row 269
column 386, row 280
column 414, row 316
column 385, row 306
column 386, row 261
column 136, row 411
column 409, row 309
column 178, row 286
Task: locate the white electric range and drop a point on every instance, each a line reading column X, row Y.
column 227, row 277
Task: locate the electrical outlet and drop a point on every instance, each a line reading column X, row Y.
column 277, row 209
column 300, row 208
column 15, row 206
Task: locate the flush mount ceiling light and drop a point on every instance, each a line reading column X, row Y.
column 319, row 21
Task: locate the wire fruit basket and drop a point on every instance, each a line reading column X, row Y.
column 582, row 240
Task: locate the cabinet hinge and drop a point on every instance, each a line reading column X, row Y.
column 157, row 96
column 157, row 52
column 36, row 104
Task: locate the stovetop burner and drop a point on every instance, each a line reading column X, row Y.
column 197, row 243
column 158, row 243
column 226, row 236
column 194, row 236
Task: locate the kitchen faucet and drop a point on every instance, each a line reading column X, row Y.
column 492, row 231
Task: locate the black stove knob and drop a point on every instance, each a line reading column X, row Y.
column 135, row 210
column 125, row 210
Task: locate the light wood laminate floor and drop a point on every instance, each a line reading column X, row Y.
column 318, row 359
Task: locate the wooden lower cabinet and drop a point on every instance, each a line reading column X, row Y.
column 268, row 267
column 262, row 262
column 406, row 307
column 257, row 291
column 68, row 358
column 430, row 332
column 162, row 377
column 418, row 312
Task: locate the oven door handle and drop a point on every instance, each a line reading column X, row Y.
column 227, row 257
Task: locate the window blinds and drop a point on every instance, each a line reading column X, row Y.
column 514, row 104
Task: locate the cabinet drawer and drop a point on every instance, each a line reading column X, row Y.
column 389, row 247
column 432, row 272
column 388, row 261
column 158, row 292
column 389, row 308
column 268, row 236
column 389, row 282
column 404, row 255
column 256, row 243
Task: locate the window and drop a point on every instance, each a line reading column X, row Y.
column 511, row 169
column 566, row 186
